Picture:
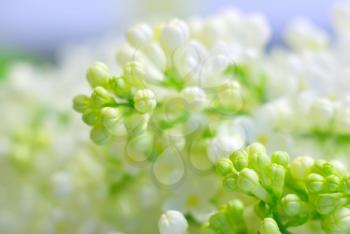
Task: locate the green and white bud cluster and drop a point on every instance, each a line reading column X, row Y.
column 171, row 74
column 112, row 98
column 296, row 191
column 229, row 219
column 306, row 115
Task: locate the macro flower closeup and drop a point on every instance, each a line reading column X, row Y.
column 186, row 117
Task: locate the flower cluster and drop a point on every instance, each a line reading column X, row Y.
column 182, row 81
column 288, row 193
column 185, row 97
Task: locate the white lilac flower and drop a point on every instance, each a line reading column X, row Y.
column 302, row 34
column 196, row 98
column 172, row 222
column 174, row 34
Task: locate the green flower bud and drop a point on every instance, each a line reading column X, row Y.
column 259, row 161
column 219, row 223
column 300, row 167
column 98, row 75
column 292, row 205
column 276, row 176
column 136, row 123
column 337, row 222
column 256, row 148
column 110, row 116
column 229, row 183
column 90, row 117
column 345, row 184
column 229, row 95
column 140, row 35
column 269, row 226
column 315, row 183
column 248, row 181
column 119, row 87
column 224, row 166
column 135, row 74
column 332, row 183
column 239, row 159
column 235, row 209
column 281, row 158
column 326, row 203
column 100, row 96
column 324, row 168
column 99, row 135
column 81, row 103
column 144, row 101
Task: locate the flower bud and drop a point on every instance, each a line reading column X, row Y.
column 224, row 166
column 338, row 221
column 248, row 181
column 81, row 103
column 156, row 55
column 127, row 53
column 276, row 176
column 134, row 73
column 332, row 183
column 256, row 24
column 315, row 183
column 281, row 158
column 259, row 160
column 219, row 223
column 144, row 101
column 326, row 203
column 119, row 87
column 172, row 222
column 256, row 148
column 196, row 98
column 98, row 75
column 303, row 34
column 229, row 95
column 300, row 167
column 324, row 168
column 99, row 135
column 235, row 209
column 90, row 117
column 100, row 96
column 291, row 205
column 140, row 35
column 269, row 226
column 239, row 159
column 174, row 34
column 136, row 123
column 345, row 184
column 229, row 183
column 110, row 116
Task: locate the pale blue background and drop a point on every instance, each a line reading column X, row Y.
column 42, row 26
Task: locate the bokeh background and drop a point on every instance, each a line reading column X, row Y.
column 41, row 27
